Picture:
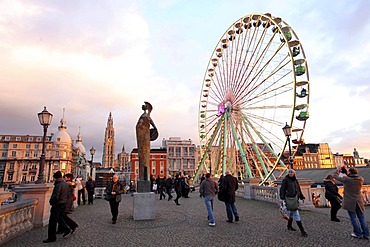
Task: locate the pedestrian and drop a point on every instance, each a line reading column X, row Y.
column 178, row 187
column 58, row 201
column 353, row 202
column 332, row 195
column 114, row 190
column 169, row 186
column 229, row 186
column 81, row 190
column 208, row 190
column 72, row 225
column 90, row 187
column 161, row 188
column 290, row 192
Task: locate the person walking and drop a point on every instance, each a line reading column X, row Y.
column 229, row 186
column 290, row 192
column 332, row 195
column 178, row 187
column 72, row 225
column 353, row 202
column 90, row 187
column 58, row 201
column 169, row 186
column 208, row 190
column 81, row 190
column 161, row 188
column 114, row 190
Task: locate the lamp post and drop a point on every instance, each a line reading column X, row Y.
column 92, row 152
column 45, row 118
column 288, row 132
column 209, row 159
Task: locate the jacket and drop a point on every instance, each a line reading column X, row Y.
column 229, row 186
column 352, row 191
column 208, row 188
column 290, row 188
column 90, row 185
column 331, row 190
column 116, row 187
column 60, row 193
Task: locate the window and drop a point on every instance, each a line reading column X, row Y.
column 37, row 146
column 7, row 138
column 28, row 145
column 25, row 166
column 6, row 145
column 18, row 138
column 30, row 139
column 24, row 178
column 11, row 166
column 4, row 154
column 10, row 177
column 15, row 145
column 35, row 154
column 57, row 154
column 33, row 178
column 38, row 139
column 27, row 153
column 14, row 153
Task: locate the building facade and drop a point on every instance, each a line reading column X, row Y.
column 109, row 144
column 157, row 166
column 123, row 160
column 181, row 156
column 20, row 156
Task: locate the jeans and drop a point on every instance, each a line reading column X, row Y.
column 295, row 215
column 363, row 222
column 230, row 210
column 208, row 200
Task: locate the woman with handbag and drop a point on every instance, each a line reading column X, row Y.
column 113, row 192
column 290, row 192
column 332, row 195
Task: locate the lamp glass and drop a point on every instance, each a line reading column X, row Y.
column 287, row 130
column 45, row 117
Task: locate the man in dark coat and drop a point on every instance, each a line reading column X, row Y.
column 353, row 202
column 229, row 186
column 58, row 201
column 90, row 187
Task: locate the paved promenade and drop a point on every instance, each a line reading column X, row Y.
column 186, row 225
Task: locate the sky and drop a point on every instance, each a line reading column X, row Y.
column 95, row 57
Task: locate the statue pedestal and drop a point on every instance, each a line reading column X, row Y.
column 40, row 192
column 143, row 186
column 144, row 206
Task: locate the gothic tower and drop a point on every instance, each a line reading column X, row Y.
column 108, row 151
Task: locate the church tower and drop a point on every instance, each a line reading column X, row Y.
column 108, row 151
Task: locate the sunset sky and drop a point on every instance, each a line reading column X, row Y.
column 95, row 57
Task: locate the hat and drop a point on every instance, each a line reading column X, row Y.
column 329, row 177
column 57, row 175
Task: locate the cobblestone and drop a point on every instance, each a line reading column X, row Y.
column 186, row 225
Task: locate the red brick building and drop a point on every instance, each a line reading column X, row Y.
column 157, row 166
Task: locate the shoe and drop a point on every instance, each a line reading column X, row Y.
column 365, row 237
column 304, row 234
column 236, row 218
column 212, row 224
column 113, row 222
column 354, row 235
column 59, row 232
column 336, row 220
column 48, row 241
column 73, row 230
column 229, row 221
column 66, row 233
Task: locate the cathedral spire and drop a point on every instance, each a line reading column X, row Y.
column 109, row 144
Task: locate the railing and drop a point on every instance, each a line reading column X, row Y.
column 16, row 218
column 267, row 194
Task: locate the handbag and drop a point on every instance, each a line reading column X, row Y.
column 107, row 197
column 292, row 203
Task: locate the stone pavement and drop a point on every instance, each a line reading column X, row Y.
column 186, row 225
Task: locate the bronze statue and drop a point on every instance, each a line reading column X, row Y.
column 145, row 134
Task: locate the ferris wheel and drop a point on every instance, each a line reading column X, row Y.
column 255, row 83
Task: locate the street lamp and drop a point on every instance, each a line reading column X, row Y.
column 92, row 152
column 45, row 118
column 288, row 132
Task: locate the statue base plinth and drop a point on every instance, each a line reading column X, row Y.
column 143, row 186
column 144, row 206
